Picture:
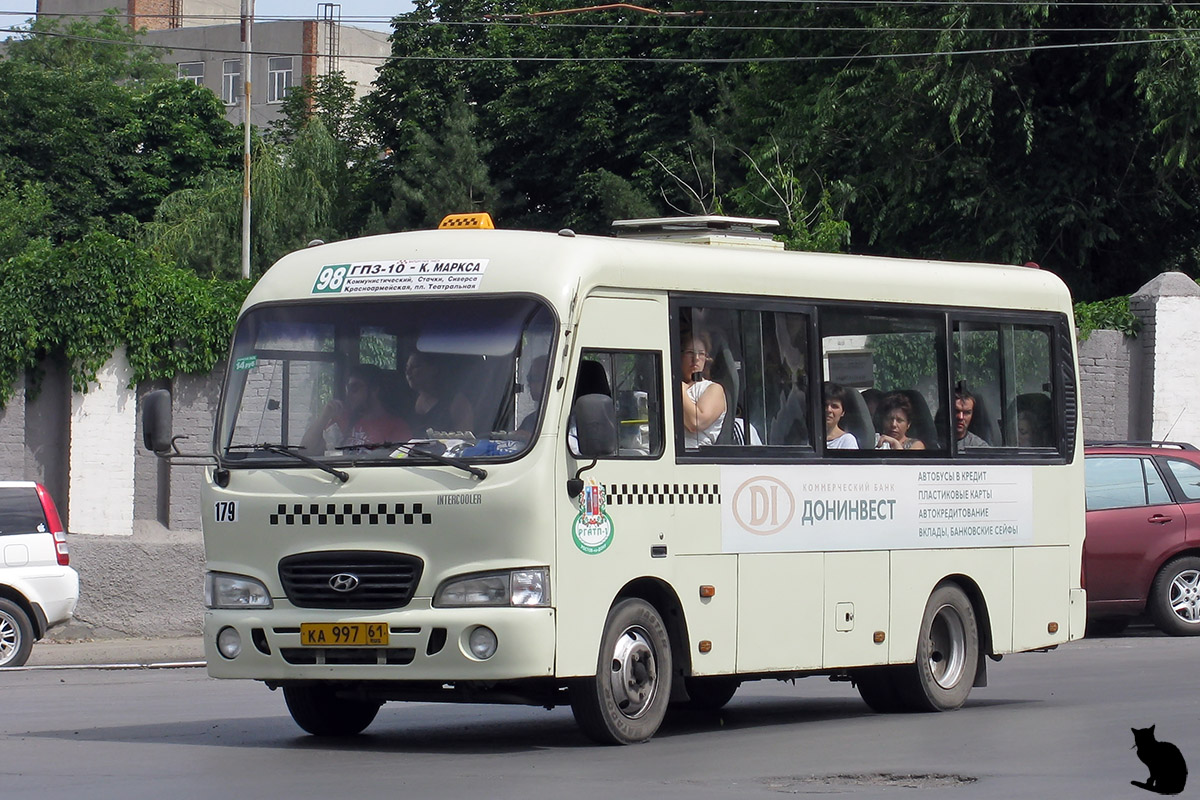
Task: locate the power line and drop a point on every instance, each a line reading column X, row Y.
column 678, row 27
column 645, row 59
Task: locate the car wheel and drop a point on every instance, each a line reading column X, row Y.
column 319, row 710
column 947, row 654
column 16, row 634
column 627, row 699
column 1175, row 597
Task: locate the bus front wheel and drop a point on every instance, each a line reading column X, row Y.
column 319, row 710
column 626, row 700
column 947, row 654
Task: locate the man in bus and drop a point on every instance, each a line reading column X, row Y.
column 964, row 412
column 359, row 418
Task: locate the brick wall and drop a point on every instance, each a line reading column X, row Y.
column 12, row 436
column 1105, row 359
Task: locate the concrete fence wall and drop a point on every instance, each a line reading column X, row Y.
column 135, row 521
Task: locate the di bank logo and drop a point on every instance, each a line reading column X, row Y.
column 763, row 505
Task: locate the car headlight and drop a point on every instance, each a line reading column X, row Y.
column 518, row 587
column 222, row 590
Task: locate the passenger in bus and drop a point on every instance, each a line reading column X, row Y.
column 359, row 418
column 436, row 409
column 964, row 412
column 893, row 420
column 873, row 397
column 835, row 409
column 703, row 399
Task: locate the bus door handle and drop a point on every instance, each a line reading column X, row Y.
column 1159, row 519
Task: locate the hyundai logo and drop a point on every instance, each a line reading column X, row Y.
column 343, row 582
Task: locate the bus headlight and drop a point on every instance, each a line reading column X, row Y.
column 518, row 587
column 222, row 590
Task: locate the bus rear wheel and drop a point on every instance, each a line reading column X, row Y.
column 626, row 700
column 319, row 710
column 947, row 654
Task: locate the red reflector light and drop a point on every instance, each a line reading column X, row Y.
column 56, row 526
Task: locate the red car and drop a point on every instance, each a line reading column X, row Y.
column 1142, row 550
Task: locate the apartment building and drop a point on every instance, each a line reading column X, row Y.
column 203, row 40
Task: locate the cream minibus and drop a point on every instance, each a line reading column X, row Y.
column 616, row 473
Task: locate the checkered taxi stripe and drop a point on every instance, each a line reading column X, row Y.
column 354, row 514
column 662, row 494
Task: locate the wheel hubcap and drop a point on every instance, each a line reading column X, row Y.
column 947, row 647
column 9, row 639
column 1185, row 596
column 633, row 673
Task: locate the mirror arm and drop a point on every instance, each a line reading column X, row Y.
column 575, row 485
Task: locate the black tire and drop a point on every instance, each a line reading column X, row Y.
column 1106, row 626
column 710, row 693
column 626, row 700
column 16, row 634
column 878, row 688
column 947, row 654
column 318, row 710
column 1174, row 601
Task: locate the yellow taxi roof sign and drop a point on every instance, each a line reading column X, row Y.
column 480, row 221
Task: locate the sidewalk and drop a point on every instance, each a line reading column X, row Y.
column 117, row 652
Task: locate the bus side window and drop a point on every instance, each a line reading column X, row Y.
column 633, row 379
column 1009, row 370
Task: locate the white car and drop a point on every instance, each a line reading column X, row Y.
column 38, row 587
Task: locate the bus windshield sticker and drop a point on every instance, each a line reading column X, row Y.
column 413, row 275
column 245, row 363
column 866, row 507
column 593, row 528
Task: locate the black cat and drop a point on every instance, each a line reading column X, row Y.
column 1168, row 771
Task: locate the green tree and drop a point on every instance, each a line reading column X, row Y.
column 293, row 192
column 1012, row 139
column 78, row 301
column 103, row 49
column 552, row 130
column 105, row 152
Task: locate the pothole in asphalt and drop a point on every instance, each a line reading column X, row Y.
column 819, row 784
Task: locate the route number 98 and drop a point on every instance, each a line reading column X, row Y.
column 331, row 279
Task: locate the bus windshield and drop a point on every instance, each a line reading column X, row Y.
column 386, row 381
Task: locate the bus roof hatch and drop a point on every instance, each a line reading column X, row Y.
column 710, row 230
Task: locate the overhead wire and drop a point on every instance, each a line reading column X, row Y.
column 1182, row 35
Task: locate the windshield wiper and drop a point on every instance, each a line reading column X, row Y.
column 420, row 449
column 290, row 450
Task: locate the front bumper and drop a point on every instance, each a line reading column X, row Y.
column 425, row 644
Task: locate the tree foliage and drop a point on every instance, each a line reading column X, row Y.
column 294, row 189
column 1058, row 133
column 77, row 302
column 101, row 131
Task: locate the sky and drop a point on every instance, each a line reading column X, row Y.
column 363, row 13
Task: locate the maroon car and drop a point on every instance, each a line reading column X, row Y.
column 1142, row 551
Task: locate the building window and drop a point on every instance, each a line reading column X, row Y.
column 279, row 78
column 192, row 71
column 231, row 81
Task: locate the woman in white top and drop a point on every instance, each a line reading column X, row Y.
column 703, row 399
column 835, row 409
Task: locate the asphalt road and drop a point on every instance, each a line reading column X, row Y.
column 1049, row 725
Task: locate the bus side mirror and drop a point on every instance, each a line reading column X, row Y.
column 156, row 421
column 596, row 425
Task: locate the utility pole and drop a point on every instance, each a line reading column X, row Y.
column 247, row 25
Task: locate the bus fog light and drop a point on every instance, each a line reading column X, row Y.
column 482, row 643
column 229, row 642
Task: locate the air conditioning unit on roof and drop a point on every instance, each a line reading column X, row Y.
column 710, row 230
